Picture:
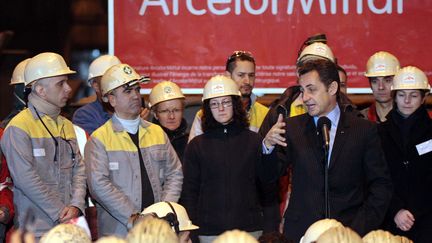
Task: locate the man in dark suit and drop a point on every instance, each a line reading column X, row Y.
column 359, row 186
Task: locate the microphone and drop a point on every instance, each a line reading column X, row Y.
column 324, row 125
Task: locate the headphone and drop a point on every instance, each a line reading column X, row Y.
column 172, row 219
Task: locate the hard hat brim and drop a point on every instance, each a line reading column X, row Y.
column 383, row 74
column 190, row 227
column 69, row 72
column 16, row 82
column 142, row 79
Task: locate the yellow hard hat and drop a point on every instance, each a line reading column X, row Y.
column 380, row 236
column 179, row 214
column 64, row 233
column 218, row 86
column 99, row 66
column 317, row 228
column 116, row 76
column 339, row 234
column 152, row 230
column 18, row 73
column 316, row 50
column 163, row 91
column 45, row 65
column 410, row 78
column 382, row 64
column 235, row 236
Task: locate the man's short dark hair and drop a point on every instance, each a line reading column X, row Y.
column 239, row 118
column 238, row 56
column 327, row 71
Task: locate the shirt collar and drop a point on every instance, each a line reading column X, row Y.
column 334, row 116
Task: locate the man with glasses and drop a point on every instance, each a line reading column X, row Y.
column 45, row 162
column 130, row 162
column 167, row 103
column 240, row 66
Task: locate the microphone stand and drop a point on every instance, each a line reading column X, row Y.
column 326, row 184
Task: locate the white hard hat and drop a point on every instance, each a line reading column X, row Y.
column 174, row 213
column 317, row 228
column 64, row 233
column 339, row 234
column 117, row 76
column 45, row 65
column 380, row 236
column 152, row 230
column 218, row 86
column 410, row 78
column 163, row 91
column 18, row 73
column 382, row 64
column 316, row 50
column 235, row 236
column 99, row 66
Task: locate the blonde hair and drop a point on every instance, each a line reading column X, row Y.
column 235, row 236
column 152, row 230
column 339, row 234
column 384, row 237
column 111, row 239
column 66, row 233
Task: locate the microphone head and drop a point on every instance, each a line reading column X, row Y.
column 324, row 121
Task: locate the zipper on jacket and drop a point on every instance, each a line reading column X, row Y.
column 228, row 179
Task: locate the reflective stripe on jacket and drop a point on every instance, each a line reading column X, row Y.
column 40, row 182
column 114, row 175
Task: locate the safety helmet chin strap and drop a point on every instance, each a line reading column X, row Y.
column 172, row 219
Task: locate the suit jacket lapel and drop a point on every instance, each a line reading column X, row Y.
column 313, row 139
column 340, row 137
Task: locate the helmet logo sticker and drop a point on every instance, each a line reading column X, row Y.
column 409, row 79
column 127, row 70
column 167, row 90
column 218, row 89
column 320, row 50
column 380, row 67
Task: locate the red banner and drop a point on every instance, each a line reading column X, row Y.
column 188, row 41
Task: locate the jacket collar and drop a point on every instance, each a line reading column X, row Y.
column 180, row 131
column 118, row 127
column 32, row 109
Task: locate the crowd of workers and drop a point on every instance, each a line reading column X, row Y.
column 311, row 168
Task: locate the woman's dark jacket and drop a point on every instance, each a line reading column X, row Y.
column 178, row 137
column 411, row 172
column 220, row 186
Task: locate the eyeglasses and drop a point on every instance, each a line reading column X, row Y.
column 225, row 103
column 167, row 112
column 237, row 54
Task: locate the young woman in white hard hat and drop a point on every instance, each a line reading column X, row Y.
column 220, row 166
column 406, row 137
